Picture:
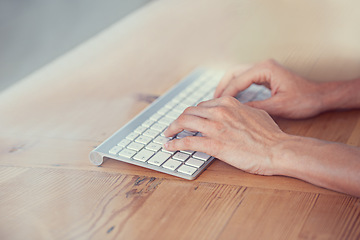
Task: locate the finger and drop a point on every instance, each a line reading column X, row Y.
column 201, row 144
column 228, row 77
column 223, row 101
column 198, row 111
column 209, row 103
column 223, row 83
column 270, row 105
column 256, row 75
column 187, row 122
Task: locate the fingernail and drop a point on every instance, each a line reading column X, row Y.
column 166, row 145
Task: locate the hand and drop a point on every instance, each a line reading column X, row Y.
column 292, row 95
column 233, row 132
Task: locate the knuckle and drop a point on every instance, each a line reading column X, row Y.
column 267, row 64
column 226, row 99
column 219, row 126
column 176, row 124
column 232, row 75
column 223, row 112
column 220, row 110
column 229, row 101
column 200, row 104
column 263, row 113
column 189, row 110
column 271, row 62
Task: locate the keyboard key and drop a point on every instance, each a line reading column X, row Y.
column 199, row 134
column 140, row 129
column 132, row 136
column 167, row 151
column 194, row 162
column 156, row 116
column 163, row 110
column 187, row 151
column 201, row 156
column 262, row 95
column 158, row 127
column 173, row 114
column 184, row 134
column 171, row 104
column 135, row 146
column 183, row 94
column 143, row 155
column 127, row 153
column 246, row 96
column 143, row 139
column 114, row 150
column 148, row 123
column 178, row 98
column 159, row 158
column 181, row 156
column 197, row 95
column 166, row 121
column 195, row 84
column 181, row 107
column 151, row 133
column 189, row 101
column 171, row 164
column 161, row 140
column 204, row 88
column 124, row 142
column 187, row 170
column 192, row 133
column 255, row 88
column 209, row 96
column 153, row 146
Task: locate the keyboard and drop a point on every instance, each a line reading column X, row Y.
column 140, row 141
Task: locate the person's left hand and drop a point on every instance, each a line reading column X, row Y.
column 232, row 132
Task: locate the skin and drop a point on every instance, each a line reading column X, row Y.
column 231, row 129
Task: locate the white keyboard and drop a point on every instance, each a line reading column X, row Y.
column 140, row 141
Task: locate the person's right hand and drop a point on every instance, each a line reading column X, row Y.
column 292, row 95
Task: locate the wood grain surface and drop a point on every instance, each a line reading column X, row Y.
column 51, row 120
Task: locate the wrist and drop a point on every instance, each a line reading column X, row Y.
column 284, row 156
column 329, row 100
column 339, row 94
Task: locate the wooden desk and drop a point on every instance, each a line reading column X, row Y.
column 51, row 120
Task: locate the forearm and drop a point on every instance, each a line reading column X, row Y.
column 340, row 94
column 330, row 165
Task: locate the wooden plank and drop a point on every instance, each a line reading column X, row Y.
column 63, row 204
column 183, row 211
column 120, row 204
column 325, row 126
column 333, row 217
column 288, row 210
column 294, row 215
